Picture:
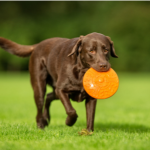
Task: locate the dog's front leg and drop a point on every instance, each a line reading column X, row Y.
column 72, row 116
column 90, row 112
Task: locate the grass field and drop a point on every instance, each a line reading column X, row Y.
column 122, row 122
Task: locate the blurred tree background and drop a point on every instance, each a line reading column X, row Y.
column 127, row 23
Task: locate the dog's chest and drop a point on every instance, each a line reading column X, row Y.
column 77, row 92
column 75, row 79
column 78, row 96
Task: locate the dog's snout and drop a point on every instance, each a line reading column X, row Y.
column 103, row 66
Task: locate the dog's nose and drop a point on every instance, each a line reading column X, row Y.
column 103, row 66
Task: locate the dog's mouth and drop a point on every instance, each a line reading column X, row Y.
column 101, row 69
column 97, row 68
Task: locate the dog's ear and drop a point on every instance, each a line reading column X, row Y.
column 112, row 52
column 77, row 46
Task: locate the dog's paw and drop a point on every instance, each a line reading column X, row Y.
column 71, row 120
column 85, row 132
column 42, row 123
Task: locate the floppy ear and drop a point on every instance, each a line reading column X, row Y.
column 76, row 46
column 112, row 52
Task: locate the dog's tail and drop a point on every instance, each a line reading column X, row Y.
column 16, row 49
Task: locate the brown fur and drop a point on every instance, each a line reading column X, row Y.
column 61, row 63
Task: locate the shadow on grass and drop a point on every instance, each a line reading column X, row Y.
column 131, row 128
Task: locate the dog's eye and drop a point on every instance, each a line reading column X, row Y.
column 105, row 50
column 92, row 51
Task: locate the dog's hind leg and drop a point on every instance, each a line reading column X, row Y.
column 50, row 97
column 38, row 75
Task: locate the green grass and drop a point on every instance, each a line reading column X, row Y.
column 122, row 122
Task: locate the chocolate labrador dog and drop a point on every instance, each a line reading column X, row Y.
column 62, row 63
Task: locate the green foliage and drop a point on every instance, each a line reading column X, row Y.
column 121, row 122
column 127, row 23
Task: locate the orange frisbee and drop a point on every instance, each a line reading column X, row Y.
column 100, row 85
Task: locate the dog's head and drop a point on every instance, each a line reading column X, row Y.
column 94, row 50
